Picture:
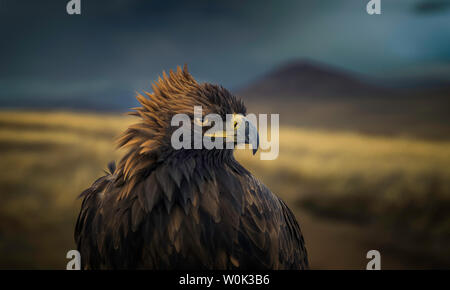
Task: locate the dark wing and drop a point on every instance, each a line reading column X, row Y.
column 168, row 221
column 84, row 232
column 274, row 236
column 104, row 233
column 183, row 216
column 293, row 252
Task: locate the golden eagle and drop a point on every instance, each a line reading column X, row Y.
column 163, row 208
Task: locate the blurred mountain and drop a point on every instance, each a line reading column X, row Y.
column 305, row 79
column 308, row 79
column 311, row 94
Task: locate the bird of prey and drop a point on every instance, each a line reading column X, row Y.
column 184, row 209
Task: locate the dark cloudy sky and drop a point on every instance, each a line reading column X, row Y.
column 119, row 46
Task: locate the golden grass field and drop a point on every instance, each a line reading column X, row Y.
column 399, row 186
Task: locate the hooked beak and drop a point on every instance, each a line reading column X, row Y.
column 251, row 135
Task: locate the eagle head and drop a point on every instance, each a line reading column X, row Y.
column 150, row 140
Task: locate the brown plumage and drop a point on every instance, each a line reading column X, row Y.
column 163, row 208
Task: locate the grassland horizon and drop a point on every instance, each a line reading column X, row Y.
column 398, row 185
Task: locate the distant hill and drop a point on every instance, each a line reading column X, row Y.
column 312, row 94
column 306, row 79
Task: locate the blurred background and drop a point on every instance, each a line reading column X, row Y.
column 363, row 101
